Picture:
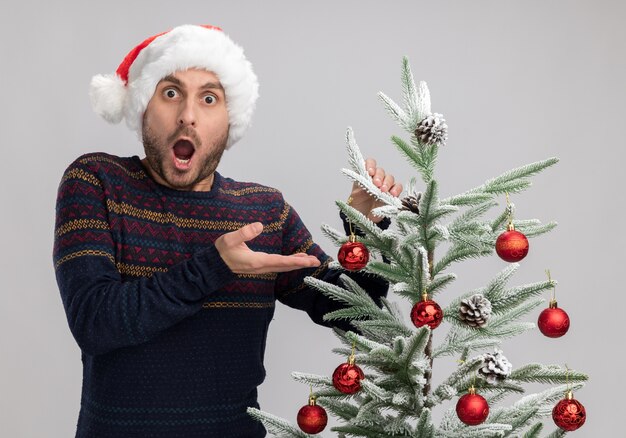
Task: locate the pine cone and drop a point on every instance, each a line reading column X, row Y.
column 432, row 130
column 495, row 367
column 475, row 310
column 411, row 203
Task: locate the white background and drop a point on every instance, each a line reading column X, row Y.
column 518, row 81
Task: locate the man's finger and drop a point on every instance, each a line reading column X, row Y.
column 370, row 165
column 396, row 190
column 387, row 183
column 243, row 234
column 379, row 176
column 280, row 263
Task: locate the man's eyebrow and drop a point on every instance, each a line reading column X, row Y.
column 209, row 85
column 172, row 79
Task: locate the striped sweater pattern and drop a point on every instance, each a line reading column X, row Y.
column 172, row 341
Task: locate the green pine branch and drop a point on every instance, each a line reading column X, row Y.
column 391, row 272
column 377, row 237
column 396, row 113
column 449, row 388
column 459, row 253
column 277, row 425
column 462, row 341
column 513, row 297
column 315, row 380
column 500, row 222
column 512, row 181
column 551, row 374
column 558, row 433
column 470, row 215
column 413, row 156
column 535, row 230
column 540, row 404
column 534, row 431
column 427, row 206
column 410, row 95
column 428, row 154
column 425, row 427
column 440, row 282
column 339, row 408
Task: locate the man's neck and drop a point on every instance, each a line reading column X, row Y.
column 204, row 185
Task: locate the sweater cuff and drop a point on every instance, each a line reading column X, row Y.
column 215, row 272
column 383, row 225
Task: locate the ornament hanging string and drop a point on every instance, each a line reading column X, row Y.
column 508, row 208
column 348, row 202
column 553, row 286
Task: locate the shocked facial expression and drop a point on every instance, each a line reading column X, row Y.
column 185, row 129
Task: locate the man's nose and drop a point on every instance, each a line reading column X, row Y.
column 187, row 114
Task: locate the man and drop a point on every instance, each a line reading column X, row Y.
column 169, row 271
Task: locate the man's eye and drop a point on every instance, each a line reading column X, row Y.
column 210, row 99
column 171, row 93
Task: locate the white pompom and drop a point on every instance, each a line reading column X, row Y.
column 108, row 93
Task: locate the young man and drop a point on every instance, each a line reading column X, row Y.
column 169, row 271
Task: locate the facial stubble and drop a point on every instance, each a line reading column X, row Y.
column 157, row 152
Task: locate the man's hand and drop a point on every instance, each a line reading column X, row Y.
column 362, row 201
column 242, row 260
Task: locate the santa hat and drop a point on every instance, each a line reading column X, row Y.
column 126, row 93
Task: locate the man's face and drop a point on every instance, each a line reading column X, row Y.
column 185, row 129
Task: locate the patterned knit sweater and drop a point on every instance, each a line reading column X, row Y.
column 172, row 341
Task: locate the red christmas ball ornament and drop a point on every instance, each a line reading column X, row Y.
column 553, row 321
column 426, row 312
column 312, row 418
column 347, row 377
column 472, row 408
column 353, row 255
column 569, row 414
column 512, row 246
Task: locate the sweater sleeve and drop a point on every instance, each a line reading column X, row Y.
column 291, row 289
column 105, row 312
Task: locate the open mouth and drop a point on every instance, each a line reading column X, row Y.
column 183, row 151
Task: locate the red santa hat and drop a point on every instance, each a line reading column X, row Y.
column 125, row 94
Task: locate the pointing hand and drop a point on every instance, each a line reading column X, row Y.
column 242, row 260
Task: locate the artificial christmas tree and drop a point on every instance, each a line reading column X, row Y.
column 397, row 395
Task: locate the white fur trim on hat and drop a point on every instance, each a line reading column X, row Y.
column 182, row 48
column 107, row 94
